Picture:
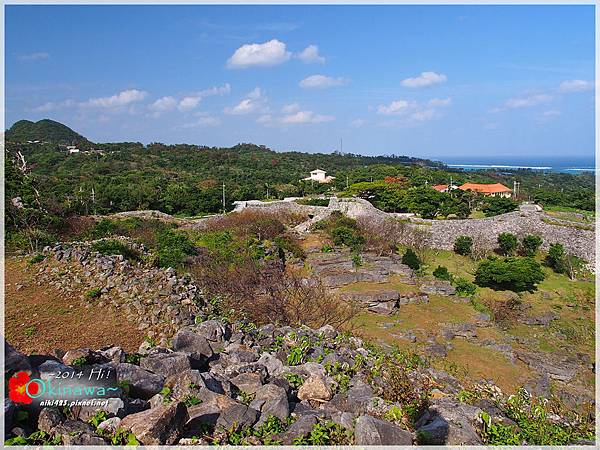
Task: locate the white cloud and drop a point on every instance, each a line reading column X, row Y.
column 396, row 107
column 305, row 117
column 322, row 82
column 34, row 56
column 310, row 55
column 123, row 98
column 267, row 54
column 570, row 86
column 357, row 123
column 255, row 101
column 413, row 111
column 290, row 108
column 547, row 116
column 528, row 101
column 440, row 102
column 203, row 120
column 423, row 80
column 164, row 104
column 187, row 103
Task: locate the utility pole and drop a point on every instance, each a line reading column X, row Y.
column 347, row 179
column 223, row 197
column 267, row 190
column 341, row 146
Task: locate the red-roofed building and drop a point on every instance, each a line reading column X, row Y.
column 495, row 190
column 440, row 187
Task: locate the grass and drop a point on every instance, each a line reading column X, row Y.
column 477, row 214
column 483, row 363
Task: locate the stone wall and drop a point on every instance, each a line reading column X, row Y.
column 158, row 300
column 443, row 233
column 576, row 241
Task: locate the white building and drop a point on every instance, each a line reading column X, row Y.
column 320, row 176
column 72, row 149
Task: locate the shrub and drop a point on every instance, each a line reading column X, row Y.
column 411, row 259
column 93, row 293
column 507, row 242
column 530, row 245
column 464, row 288
column 115, row 247
column 313, row 201
column 442, row 273
column 290, row 244
column 344, row 235
column 515, row 274
column 37, row 258
column 556, row 258
column 173, row 248
column 463, row 245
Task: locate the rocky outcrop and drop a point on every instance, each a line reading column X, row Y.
column 219, row 382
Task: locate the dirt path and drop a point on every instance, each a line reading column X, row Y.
column 39, row 319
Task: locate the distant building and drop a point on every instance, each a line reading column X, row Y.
column 320, row 176
column 440, row 187
column 72, row 149
column 494, row 190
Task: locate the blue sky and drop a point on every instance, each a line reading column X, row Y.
column 475, row 82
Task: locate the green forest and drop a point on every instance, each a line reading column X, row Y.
column 189, row 180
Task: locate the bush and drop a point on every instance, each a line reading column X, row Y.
column 313, row 201
column 464, row 288
column 173, row 248
column 530, row 245
column 411, row 259
column 515, row 274
column 343, row 235
column 463, row 245
column 442, row 273
column 556, row 258
column 115, row 247
column 507, row 242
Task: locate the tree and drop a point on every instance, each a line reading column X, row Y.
column 424, row 201
column 530, row 245
column 411, row 259
column 507, row 243
column 463, row 245
column 493, row 206
column 442, row 273
column 556, row 258
column 515, row 274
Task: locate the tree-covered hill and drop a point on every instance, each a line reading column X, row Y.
column 45, row 130
column 188, row 179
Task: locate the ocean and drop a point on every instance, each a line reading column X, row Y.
column 573, row 166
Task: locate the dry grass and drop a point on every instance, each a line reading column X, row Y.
column 40, row 319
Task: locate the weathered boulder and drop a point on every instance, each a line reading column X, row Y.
column 166, row 364
column 213, row 330
column 439, row 287
column 74, row 432
column 248, row 382
column 14, row 361
column 273, row 401
column 141, row 383
column 237, row 417
column 50, row 418
column 314, row 389
column 196, row 345
column 372, row 431
column 79, row 356
column 202, row 415
column 449, row 422
column 157, row 426
column 110, row 426
column 298, row 429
